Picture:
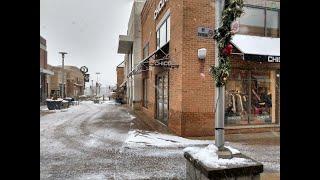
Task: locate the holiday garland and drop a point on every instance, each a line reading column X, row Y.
column 232, row 10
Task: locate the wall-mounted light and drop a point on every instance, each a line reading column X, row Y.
column 202, row 53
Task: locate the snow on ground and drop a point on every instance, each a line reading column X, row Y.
column 138, row 138
column 209, row 157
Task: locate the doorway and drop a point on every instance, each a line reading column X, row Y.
column 162, row 95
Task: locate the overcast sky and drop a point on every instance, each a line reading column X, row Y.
column 88, row 30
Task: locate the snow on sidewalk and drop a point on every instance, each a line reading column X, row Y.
column 138, row 138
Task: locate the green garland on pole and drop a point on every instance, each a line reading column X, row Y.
column 232, row 10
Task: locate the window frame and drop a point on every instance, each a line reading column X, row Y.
column 265, row 16
column 166, row 32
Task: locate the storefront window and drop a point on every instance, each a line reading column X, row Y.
column 272, row 23
column 252, row 21
column 260, row 21
column 252, row 97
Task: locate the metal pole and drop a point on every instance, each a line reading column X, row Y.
column 63, row 86
column 219, row 93
column 92, row 88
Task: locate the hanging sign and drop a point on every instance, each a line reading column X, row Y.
column 235, row 26
column 84, row 69
column 86, row 77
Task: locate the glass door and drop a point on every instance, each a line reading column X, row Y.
column 162, row 97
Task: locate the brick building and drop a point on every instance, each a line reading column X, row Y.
column 44, row 71
column 177, row 88
column 73, row 81
column 120, row 75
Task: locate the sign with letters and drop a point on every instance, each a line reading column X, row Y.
column 262, row 58
column 160, row 6
column 205, row 32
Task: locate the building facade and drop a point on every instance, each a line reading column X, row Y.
column 44, row 71
column 73, row 81
column 130, row 45
column 177, row 87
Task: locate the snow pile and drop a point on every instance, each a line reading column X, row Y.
column 209, row 157
column 144, row 138
column 59, row 99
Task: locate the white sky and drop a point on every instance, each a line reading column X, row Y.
column 88, row 30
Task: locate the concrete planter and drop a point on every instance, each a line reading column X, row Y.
column 54, row 104
column 197, row 171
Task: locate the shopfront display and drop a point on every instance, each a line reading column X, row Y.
column 251, row 97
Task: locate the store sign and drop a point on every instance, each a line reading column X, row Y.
column 167, row 64
column 86, row 77
column 205, row 32
column 160, row 6
column 262, row 58
column 274, row 59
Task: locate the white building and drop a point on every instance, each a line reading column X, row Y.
column 130, row 45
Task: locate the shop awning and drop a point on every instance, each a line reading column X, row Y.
column 256, row 48
column 125, row 44
column 160, row 58
column 123, row 84
column 46, row 71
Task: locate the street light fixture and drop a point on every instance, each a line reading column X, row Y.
column 63, row 86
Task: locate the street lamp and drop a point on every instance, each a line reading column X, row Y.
column 63, row 86
column 97, row 84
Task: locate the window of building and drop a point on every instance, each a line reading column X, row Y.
column 272, row 23
column 260, row 21
column 146, row 51
column 145, row 93
column 163, row 33
column 252, row 97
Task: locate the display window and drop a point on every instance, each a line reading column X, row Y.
column 252, row 97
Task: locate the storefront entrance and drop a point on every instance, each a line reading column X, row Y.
column 162, row 97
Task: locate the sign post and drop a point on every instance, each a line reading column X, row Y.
column 84, row 70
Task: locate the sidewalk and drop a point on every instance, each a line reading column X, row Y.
column 264, row 146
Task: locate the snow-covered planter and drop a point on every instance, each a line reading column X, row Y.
column 65, row 104
column 204, row 163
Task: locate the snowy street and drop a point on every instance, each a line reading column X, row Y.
column 102, row 141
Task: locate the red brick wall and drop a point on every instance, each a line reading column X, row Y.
column 43, row 58
column 198, row 92
column 43, row 54
column 191, row 96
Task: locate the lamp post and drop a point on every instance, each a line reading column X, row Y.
column 92, row 88
column 97, row 84
column 219, row 93
column 63, row 86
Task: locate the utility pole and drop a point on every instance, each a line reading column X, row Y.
column 219, row 93
column 63, row 86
